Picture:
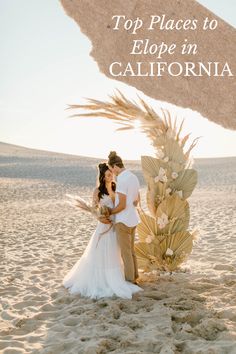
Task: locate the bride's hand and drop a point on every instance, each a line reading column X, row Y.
column 104, row 220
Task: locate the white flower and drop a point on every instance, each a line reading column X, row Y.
column 149, row 238
column 162, row 221
column 168, row 190
column 160, row 154
column 169, row 252
column 166, row 159
column 161, row 176
column 180, row 193
column 164, row 179
column 174, row 175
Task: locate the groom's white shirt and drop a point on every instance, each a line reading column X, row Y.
column 128, row 184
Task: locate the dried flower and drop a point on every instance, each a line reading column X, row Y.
column 104, row 211
column 80, row 203
column 149, row 238
column 170, row 133
column 180, row 193
column 169, row 252
column 162, row 221
column 174, row 175
column 160, row 154
column 161, row 176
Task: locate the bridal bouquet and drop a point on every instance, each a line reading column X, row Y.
column 97, row 212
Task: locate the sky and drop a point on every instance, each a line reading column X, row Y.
column 45, row 65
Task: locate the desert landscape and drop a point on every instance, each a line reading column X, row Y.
column 192, row 311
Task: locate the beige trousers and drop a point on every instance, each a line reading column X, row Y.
column 125, row 237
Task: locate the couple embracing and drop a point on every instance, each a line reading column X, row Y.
column 108, row 266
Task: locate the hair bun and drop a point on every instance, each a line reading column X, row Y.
column 112, row 154
column 114, row 159
column 102, row 165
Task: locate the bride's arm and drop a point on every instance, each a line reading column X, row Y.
column 121, row 206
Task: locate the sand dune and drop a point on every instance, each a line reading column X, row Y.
column 190, row 311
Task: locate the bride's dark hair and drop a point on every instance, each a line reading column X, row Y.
column 102, row 168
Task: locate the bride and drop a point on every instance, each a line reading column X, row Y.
column 99, row 272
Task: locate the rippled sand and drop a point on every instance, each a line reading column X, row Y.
column 191, row 311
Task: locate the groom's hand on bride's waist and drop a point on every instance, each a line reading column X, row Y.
column 136, row 202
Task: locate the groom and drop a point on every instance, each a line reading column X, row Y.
column 126, row 220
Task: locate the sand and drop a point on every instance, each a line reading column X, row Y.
column 189, row 311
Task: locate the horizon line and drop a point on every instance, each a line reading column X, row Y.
column 102, row 158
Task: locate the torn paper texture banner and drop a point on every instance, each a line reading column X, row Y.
column 175, row 51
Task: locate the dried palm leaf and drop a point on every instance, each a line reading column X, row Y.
column 173, row 215
column 79, row 202
column 167, row 254
column 191, row 147
column 127, row 112
column 185, row 182
column 146, row 256
column 178, row 243
column 151, row 167
column 155, row 192
column 175, row 248
column 175, row 166
column 179, row 130
column 147, row 227
column 152, row 196
column 174, row 151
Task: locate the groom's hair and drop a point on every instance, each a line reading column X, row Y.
column 114, row 159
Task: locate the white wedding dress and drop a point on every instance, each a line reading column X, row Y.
column 99, row 272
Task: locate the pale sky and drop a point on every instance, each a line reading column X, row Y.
column 45, row 65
